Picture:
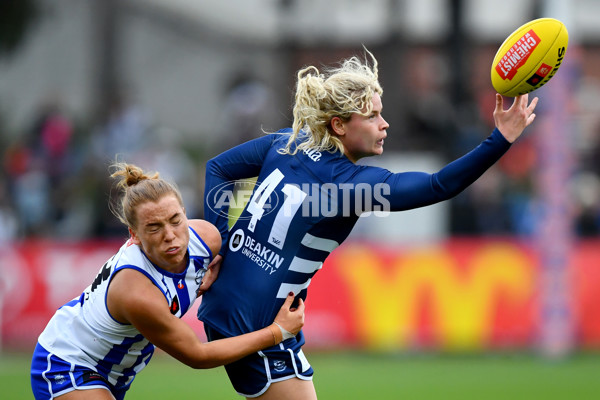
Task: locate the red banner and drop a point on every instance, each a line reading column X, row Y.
column 459, row 295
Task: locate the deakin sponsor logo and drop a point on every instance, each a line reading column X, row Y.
column 261, row 255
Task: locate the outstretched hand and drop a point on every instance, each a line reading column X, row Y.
column 513, row 121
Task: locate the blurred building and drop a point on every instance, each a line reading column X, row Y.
column 215, row 74
column 180, row 58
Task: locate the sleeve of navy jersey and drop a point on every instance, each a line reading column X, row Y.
column 410, row 190
column 241, row 162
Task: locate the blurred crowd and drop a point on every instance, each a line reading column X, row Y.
column 54, row 181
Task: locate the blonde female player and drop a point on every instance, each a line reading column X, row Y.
column 309, row 195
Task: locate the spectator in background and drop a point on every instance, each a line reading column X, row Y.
column 248, row 104
column 429, row 113
column 52, row 134
column 37, row 166
column 124, row 131
column 8, row 218
column 29, row 187
column 165, row 151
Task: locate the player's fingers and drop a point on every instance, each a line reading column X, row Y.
column 533, row 104
column 519, row 101
column 216, row 262
column 524, row 101
column 288, row 301
column 499, row 102
column 300, row 305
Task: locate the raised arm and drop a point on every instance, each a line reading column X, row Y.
column 133, row 299
column 410, row 190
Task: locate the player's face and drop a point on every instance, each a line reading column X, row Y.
column 363, row 135
column 162, row 232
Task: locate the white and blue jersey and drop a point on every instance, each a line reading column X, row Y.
column 302, row 208
column 83, row 333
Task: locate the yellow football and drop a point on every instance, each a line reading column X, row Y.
column 529, row 57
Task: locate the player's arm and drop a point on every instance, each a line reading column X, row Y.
column 132, row 298
column 408, row 190
column 417, row 189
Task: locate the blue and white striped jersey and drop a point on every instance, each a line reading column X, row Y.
column 303, row 207
column 83, row 332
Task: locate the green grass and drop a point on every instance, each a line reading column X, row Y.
column 349, row 375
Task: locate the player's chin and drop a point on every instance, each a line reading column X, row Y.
column 174, row 258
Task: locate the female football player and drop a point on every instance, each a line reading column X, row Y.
column 95, row 344
column 309, row 194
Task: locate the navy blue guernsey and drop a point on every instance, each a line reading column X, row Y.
column 303, row 206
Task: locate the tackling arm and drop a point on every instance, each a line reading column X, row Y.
column 132, row 298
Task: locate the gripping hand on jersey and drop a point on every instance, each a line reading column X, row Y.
column 211, row 275
column 289, row 320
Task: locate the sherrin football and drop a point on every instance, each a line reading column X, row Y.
column 529, row 57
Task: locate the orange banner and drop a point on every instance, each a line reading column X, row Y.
column 460, row 295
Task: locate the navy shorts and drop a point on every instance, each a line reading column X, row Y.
column 252, row 375
column 52, row 376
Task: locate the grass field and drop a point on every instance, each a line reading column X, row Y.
column 365, row 376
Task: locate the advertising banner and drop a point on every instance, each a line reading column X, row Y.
column 456, row 295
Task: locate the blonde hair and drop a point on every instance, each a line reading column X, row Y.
column 137, row 187
column 339, row 92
